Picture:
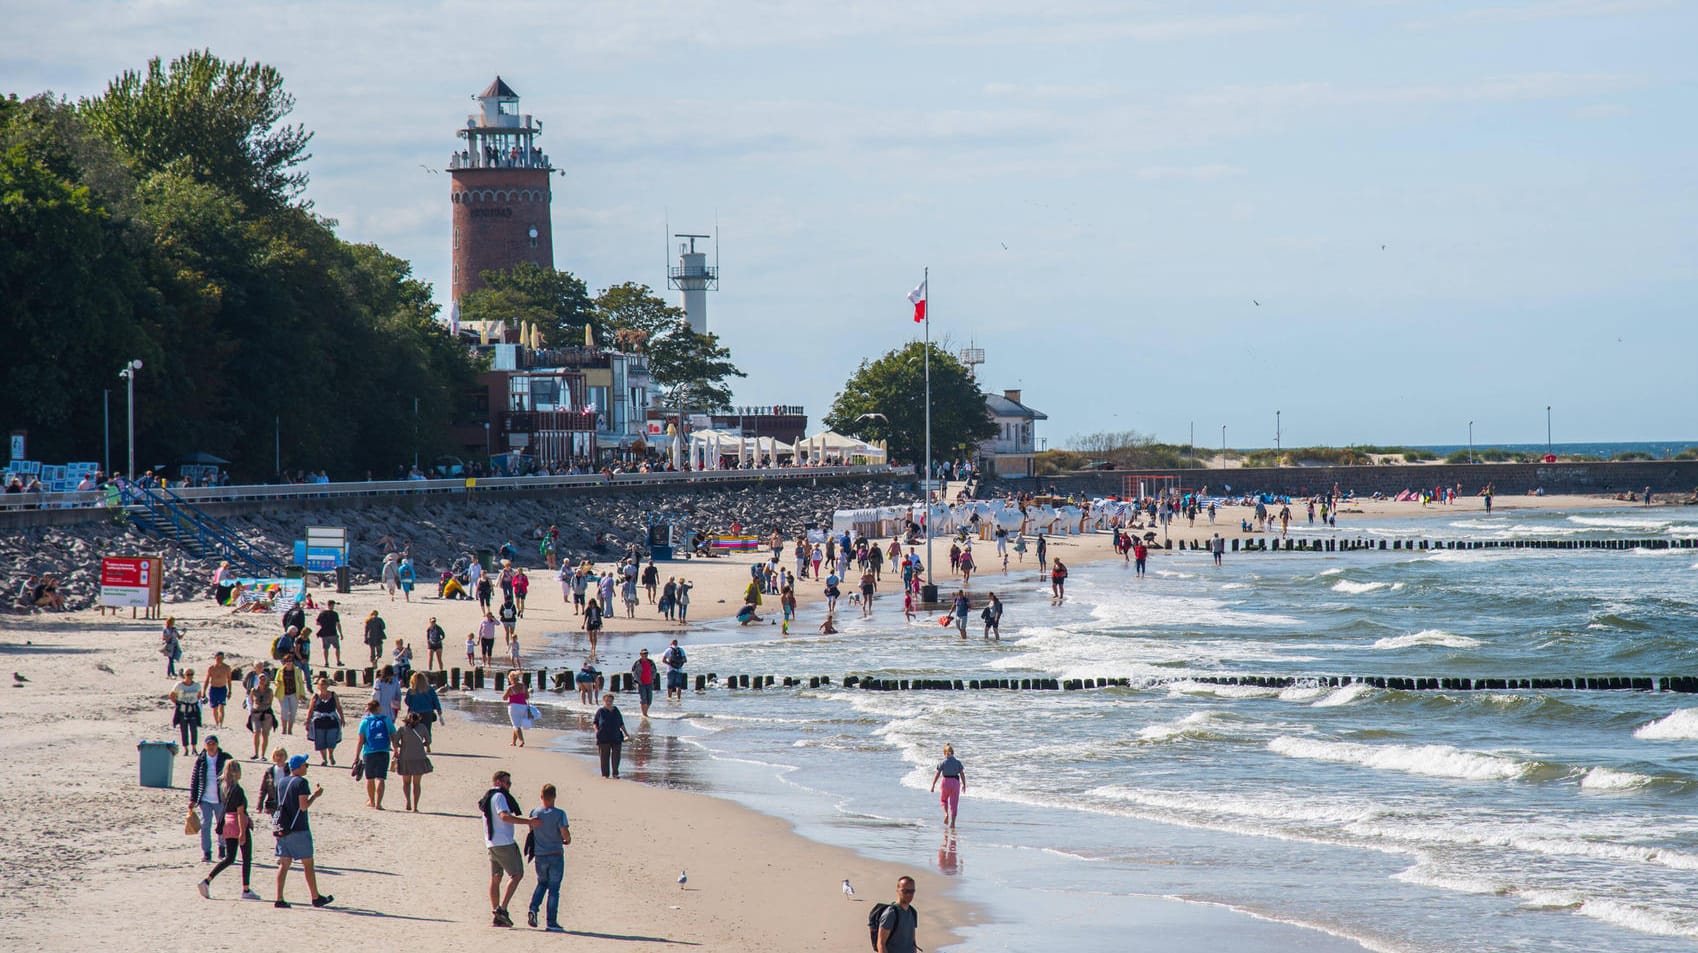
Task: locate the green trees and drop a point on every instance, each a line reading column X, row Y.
column 162, row 221
column 218, row 122
column 555, row 301
column 886, row 400
column 691, row 369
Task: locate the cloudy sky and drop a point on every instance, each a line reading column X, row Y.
column 1447, row 211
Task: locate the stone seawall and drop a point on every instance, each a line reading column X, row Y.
column 1509, row 479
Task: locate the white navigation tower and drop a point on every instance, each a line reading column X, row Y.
column 695, row 277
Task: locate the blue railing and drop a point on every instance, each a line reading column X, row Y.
column 154, row 508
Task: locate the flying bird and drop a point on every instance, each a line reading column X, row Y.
column 1255, row 302
column 848, row 891
column 1004, row 246
column 1382, row 248
column 683, row 878
column 18, row 678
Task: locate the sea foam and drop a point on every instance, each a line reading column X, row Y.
column 1439, row 637
column 1438, row 761
column 1680, row 725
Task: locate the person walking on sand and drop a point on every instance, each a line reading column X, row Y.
column 375, row 732
column 376, row 635
column 421, row 699
column 295, row 841
column 216, row 685
column 592, row 622
column 500, row 814
column 954, row 778
column 291, row 688
column 435, row 636
column 647, row 676
column 521, row 589
column 509, row 616
column 900, row 922
column 683, row 601
column 518, row 708
column 391, row 574
column 486, row 638
column 610, row 735
column 186, row 700
column 261, row 719
column 324, row 721
column 549, row 837
column 170, row 645
column 412, row 759
column 330, row 632
column 651, row 579
column 203, row 793
column 235, row 829
column 1019, row 550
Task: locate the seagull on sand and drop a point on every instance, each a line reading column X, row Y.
column 848, row 891
column 683, row 878
column 19, row 679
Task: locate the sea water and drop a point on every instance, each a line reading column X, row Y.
column 1343, row 818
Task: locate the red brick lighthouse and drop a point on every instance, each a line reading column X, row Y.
column 499, row 184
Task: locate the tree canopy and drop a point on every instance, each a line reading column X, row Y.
column 217, row 121
column 556, row 301
column 157, row 222
column 885, row 400
column 692, row 370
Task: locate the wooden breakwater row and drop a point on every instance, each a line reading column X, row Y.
column 538, row 679
column 1330, row 545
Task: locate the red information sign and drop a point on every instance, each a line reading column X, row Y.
column 130, row 581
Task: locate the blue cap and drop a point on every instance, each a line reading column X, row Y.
column 296, row 762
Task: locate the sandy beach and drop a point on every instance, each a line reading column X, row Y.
column 91, row 857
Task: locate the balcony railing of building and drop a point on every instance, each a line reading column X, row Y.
column 536, row 421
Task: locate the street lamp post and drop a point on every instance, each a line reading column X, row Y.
column 1278, row 449
column 486, row 441
column 1549, row 447
column 1223, row 444
column 129, row 376
column 1470, row 441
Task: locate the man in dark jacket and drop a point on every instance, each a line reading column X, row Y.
column 204, row 796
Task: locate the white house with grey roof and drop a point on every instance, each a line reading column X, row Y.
column 1011, row 453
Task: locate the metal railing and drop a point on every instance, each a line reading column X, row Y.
column 161, row 512
column 282, row 493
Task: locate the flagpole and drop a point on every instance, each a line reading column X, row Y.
column 929, row 594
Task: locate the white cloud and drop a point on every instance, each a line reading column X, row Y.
column 1200, row 173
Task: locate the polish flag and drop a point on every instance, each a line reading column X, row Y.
column 918, row 297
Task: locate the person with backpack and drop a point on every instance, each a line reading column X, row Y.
column 675, row 660
column 893, row 925
column 375, row 731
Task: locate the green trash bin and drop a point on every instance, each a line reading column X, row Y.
column 157, row 760
column 486, row 559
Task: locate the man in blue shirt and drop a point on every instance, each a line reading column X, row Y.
column 375, row 729
column 549, row 837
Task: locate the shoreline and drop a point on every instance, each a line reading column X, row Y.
column 57, row 719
